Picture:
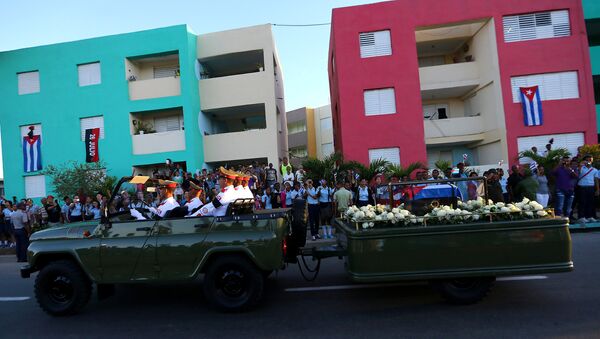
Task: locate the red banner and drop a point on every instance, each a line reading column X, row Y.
column 91, row 144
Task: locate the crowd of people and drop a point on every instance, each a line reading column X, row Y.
column 573, row 193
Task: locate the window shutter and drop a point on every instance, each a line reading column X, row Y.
column 167, row 124
column 373, row 44
column 326, row 124
column 380, row 101
column 570, row 141
column 93, row 122
column 532, row 26
column 390, row 154
column 553, row 86
column 165, row 71
column 35, row 186
column 28, row 82
column 37, row 129
column 89, row 74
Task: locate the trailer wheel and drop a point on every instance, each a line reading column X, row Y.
column 464, row 291
column 61, row 288
column 233, row 284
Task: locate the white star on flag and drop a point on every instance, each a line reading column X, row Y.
column 529, row 92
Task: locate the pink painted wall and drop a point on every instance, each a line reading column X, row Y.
column 355, row 133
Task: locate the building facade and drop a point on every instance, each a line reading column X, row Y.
column 144, row 92
column 591, row 11
column 422, row 81
column 310, row 133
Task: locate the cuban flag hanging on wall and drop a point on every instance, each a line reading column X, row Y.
column 32, row 151
column 532, row 106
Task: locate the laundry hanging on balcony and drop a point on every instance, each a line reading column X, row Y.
column 532, row 106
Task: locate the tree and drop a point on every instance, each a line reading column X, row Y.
column 74, row 178
column 550, row 160
column 400, row 171
column 442, row 165
column 594, row 151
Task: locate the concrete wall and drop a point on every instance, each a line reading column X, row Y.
column 322, row 136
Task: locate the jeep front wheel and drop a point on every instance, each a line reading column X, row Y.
column 233, row 284
column 464, row 291
column 62, row 288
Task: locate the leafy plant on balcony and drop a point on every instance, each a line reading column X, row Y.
column 442, row 165
column 400, row 171
column 142, row 127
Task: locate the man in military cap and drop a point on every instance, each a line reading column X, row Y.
column 167, row 190
column 246, row 192
column 218, row 206
column 196, row 192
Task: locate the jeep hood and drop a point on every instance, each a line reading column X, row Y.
column 68, row 231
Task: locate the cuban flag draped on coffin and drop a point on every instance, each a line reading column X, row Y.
column 532, row 106
column 32, row 151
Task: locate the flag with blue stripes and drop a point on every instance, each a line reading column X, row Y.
column 32, row 153
column 532, row 106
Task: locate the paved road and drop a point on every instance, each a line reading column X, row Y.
column 561, row 305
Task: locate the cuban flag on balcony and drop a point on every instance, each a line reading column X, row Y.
column 532, row 106
column 32, row 151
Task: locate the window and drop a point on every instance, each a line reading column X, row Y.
column 327, row 149
column 532, row 26
column 35, row 186
column 89, row 123
column 326, row 124
column 296, row 127
column 166, row 71
column 434, row 112
column 299, row 152
column 89, row 74
column 552, row 86
column 593, row 31
column 29, row 82
column 380, row 101
column 37, row 129
column 374, row 44
column 167, row 124
column 569, row 141
column 390, row 154
column 596, row 88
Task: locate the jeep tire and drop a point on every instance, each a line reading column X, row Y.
column 464, row 291
column 233, row 284
column 62, row 288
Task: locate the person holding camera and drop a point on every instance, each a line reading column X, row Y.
column 75, row 210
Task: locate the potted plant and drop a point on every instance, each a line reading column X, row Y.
column 142, row 127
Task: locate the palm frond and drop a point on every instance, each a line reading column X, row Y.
column 442, row 165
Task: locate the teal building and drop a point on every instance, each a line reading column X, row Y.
column 139, row 89
column 591, row 11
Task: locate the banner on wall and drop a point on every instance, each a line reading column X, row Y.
column 532, row 106
column 91, row 144
column 32, row 151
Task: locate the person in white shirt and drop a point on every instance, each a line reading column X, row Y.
column 247, row 192
column 196, row 202
column 289, row 176
column 300, row 175
column 167, row 190
column 218, row 207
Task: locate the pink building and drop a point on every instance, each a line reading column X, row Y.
column 427, row 80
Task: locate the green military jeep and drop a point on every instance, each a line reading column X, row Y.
column 234, row 252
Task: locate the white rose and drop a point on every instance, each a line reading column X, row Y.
column 538, row 207
column 541, row 213
column 413, row 220
column 371, row 224
column 446, row 208
column 504, row 209
column 399, row 216
column 395, row 210
column 359, row 215
column 525, row 200
column 441, row 214
column 475, row 216
column 529, row 214
column 500, row 204
column 404, row 212
column 390, row 215
column 365, row 225
column 378, row 218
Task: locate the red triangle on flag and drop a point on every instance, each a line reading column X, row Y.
column 529, row 92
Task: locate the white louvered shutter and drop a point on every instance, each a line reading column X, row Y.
column 167, row 124
column 532, row 26
column 390, row 154
column 165, row 71
column 380, row 101
column 326, row 124
column 93, row 122
column 374, row 44
column 553, row 86
column 89, row 74
column 28, row 82
column 35, row 186
column 570, row 141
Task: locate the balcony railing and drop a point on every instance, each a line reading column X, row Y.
column 158, row 142
column 453, row 127
column 449, row 76
column 234, row 90
column 154, row 88
column 238, row 145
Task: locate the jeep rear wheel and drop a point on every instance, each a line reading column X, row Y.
column 62, row 288
column 464, row 291
column 233, row 284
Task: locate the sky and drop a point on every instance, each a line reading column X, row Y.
column 302, row 50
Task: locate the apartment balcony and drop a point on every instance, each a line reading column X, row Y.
column 235, row 90
column 448, row 81
column 238, row 145
column 154, row 88
column 454, row 130
column 158, row 142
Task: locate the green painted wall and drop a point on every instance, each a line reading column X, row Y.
column 61, row 102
